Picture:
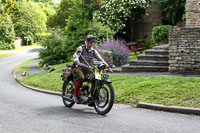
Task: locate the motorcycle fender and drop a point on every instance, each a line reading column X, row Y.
column 107, row 81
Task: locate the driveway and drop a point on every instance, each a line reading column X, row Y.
column 26, row 111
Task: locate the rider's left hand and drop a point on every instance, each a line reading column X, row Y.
column 108, row 66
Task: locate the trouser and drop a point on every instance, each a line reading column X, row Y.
column 79, row 73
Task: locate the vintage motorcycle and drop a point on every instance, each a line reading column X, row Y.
column 97, row 90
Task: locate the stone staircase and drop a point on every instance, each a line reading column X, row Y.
column 153, row 60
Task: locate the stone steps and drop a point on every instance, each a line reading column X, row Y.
column 153, row 57
column 156, row 52
column 162, row 47
column 129, row 68
column 153, row 60
column 148, row 63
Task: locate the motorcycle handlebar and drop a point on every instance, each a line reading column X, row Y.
column 93, row 68
column 110, row 70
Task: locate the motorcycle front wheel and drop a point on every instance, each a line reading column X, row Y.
column 104, row 99
column 67, row 94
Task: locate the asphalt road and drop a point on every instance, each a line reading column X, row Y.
column 26, row 111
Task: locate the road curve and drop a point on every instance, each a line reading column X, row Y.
column 26, row 111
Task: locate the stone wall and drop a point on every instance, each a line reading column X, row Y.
column 152, row 18
column 107, row 56
column 193, row 13
column 18, row 43
column 184, row 50
column 143, row 25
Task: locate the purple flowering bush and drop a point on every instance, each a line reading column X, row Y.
column 120, row 51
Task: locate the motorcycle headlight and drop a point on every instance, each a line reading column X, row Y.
column 105, row 76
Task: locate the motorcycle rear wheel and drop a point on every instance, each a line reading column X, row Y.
column 104, row 99
column 67, row 92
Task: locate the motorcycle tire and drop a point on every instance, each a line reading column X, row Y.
column 65, row 93
column 108, row 98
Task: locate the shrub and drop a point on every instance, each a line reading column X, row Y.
column 75, row 38
column 100, row 31
column 80, row 24
column 6, row 33
column 172, row 10
column 115, row 13
column 120, row 52
column 77, row 24
column 29, row 19
column 160, row 33
column 54, row 52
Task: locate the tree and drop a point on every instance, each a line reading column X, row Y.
column 49, row 10
column 172, row 10
column 1, row 7
column 29, row 19
column 48, row 6
column 44, row 1
column 115, row 13
column 78, row 23
column 59, row 19
column 6, row 32
column 9, row 8
column 54, row 52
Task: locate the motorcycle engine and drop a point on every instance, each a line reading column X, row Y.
column 84, row 91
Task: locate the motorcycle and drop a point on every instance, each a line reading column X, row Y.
column 97, row 90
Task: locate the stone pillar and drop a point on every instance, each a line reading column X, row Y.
column 193, row 13
column 184, row 43
column 107, row 56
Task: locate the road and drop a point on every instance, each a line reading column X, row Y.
column 26, row 111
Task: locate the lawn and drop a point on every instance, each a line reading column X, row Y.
column 25, row 66
column 133, row 56
column 6, row 54
column 166, row 90
column 27, row 46
column 2, row 55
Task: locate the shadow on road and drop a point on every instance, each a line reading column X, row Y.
column 76, row 111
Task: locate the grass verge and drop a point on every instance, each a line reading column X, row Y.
column 24, row 47
column 28, row 46
column 166, row 90
column 6, row 54
column 25, row 66
column 133, row 56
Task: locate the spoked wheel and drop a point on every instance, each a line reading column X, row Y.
column 104, row 99
column 67, row 94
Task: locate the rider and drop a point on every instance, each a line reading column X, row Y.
column 82, row 58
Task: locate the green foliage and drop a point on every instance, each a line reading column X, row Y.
column 80, row 14
column 184, row 15
column 100, row 31
column 45, row 1
column 48, row 9
column 59, row 19
column 6, row 33
column 29, row 19
column 160, row 33
column 1, row 6
column 75, row 38
column 77, row 24
column 172, row 10
column 54, row 52
column 9, row 8
column 115, row 13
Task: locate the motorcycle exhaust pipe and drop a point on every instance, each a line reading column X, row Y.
column 68, row 99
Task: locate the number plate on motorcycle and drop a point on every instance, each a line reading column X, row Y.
column 97, row 76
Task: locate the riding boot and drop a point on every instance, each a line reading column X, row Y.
column 76, row 99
